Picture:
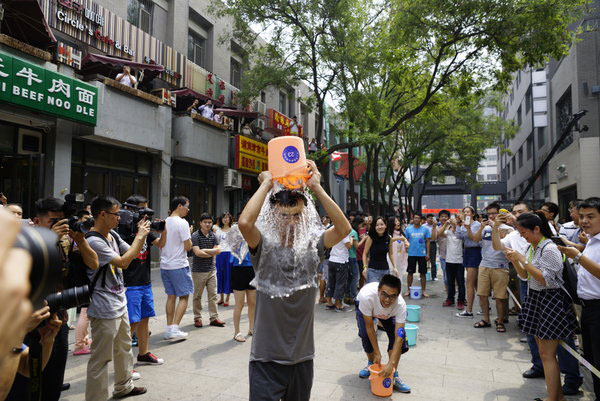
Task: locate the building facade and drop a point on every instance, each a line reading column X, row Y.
column 139, row 139
column 541, row 102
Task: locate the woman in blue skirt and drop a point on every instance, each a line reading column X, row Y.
column 223, row 261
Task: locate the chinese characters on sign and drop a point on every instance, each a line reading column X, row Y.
column 250, row 155
column 34, row 87
column 280, row 124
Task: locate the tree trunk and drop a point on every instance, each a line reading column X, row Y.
column 351, row 178
column 376, row 182
column 368, row 176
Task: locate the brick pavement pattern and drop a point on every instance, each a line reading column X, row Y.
column 451, row 361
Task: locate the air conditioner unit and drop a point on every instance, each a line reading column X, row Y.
column 30, row 142
column 233, row 178
column 260, row 123
column 260, row 107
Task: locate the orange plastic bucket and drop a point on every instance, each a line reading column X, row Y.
column 380, row 386
column 287, row 161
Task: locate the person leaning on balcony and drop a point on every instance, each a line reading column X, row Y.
column 194, row 106
column 218, row 118
column 207, row 110
column 126, row 78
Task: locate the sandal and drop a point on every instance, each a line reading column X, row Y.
column 496, row 321
column 239, row 338
column 250, row 333
column 482, row 324
column 500, row 328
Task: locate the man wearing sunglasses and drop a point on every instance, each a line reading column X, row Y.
column 382, row 301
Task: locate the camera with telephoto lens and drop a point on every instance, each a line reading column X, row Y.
column 130, row 218
column 80, row 226
column 46, row 262
column 69, row 298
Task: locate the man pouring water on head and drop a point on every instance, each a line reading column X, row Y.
column 286, row 243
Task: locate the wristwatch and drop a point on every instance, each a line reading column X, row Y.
column 576, row 258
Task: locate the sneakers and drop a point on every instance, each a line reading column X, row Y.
column 134, row 340
column 173, row 333
column 329, row 307
column 343, row 309
column 465, row 314
column 460, row 305
column 448, row 302
column 365, row 372
column 399, row 385
column 149, row 359
column 135, row 375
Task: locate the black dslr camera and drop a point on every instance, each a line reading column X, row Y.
column 70, row 207
column 129, row 219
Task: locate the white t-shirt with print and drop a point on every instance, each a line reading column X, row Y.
column 173, row 255
column 369, row 304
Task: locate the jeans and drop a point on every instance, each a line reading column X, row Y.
column 569, row 366
column 336, row 283
column 375, row 275
column 432, row 257
column 353, row 276
column 456, row 275
column 443, row 265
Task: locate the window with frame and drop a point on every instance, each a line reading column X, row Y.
column 564, row 113
column 530, row 146
column 541, row 137
column 139, row 13
column 196, row 49
column 492, row 177
column 519, row 117
column 521, row 156
column 236, row 73
column 528, row 100
column 514, row 166
column 282, row 103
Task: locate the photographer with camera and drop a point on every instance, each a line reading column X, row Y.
column 50, row 213
column 108, row 308
column 138, row 283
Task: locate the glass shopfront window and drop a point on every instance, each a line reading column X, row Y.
column 197, row 183
column 99, row 169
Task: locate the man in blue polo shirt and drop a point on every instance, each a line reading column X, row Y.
column 418, row 252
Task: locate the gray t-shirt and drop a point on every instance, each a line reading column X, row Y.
column 283, row 326
column 108, row 301
column 491, row 258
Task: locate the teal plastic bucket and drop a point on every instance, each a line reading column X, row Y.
column 413, row 313
column 411, row 333
column 415, row 292
column 428, row 276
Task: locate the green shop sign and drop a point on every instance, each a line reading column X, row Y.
column 34, row 87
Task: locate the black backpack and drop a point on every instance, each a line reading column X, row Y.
column 569, row 276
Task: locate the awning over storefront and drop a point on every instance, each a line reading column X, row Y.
column 237, row 113
column 25, row 21
column 110, row 66
column 185, row 92
column 359, row 167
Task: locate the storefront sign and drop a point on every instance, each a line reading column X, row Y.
column 96, row 26
column 36, row 88
column 68, row 55
column 250, row 155
column 280, row 124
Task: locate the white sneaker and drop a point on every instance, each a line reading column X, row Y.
column 179, row 335
column 135, row 375
column 169, row 334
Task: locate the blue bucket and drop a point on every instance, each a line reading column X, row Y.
column 413, row 313
column 411, row 333
column 428, row 276
column 415, row 292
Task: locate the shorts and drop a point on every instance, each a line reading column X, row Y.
column 389, row 325
column 140, row 302
column 178, row 281
column 241, row 276
column 272, row 381
column 324, row 269
column 412, row 264
column 492, row 279
column 472, row 257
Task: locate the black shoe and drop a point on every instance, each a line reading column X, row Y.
column 569, row 389
column 65, row 386
column 533, row 374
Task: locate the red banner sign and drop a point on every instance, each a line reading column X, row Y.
column 280, row 124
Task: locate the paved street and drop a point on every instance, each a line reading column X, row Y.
column 452, row 360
